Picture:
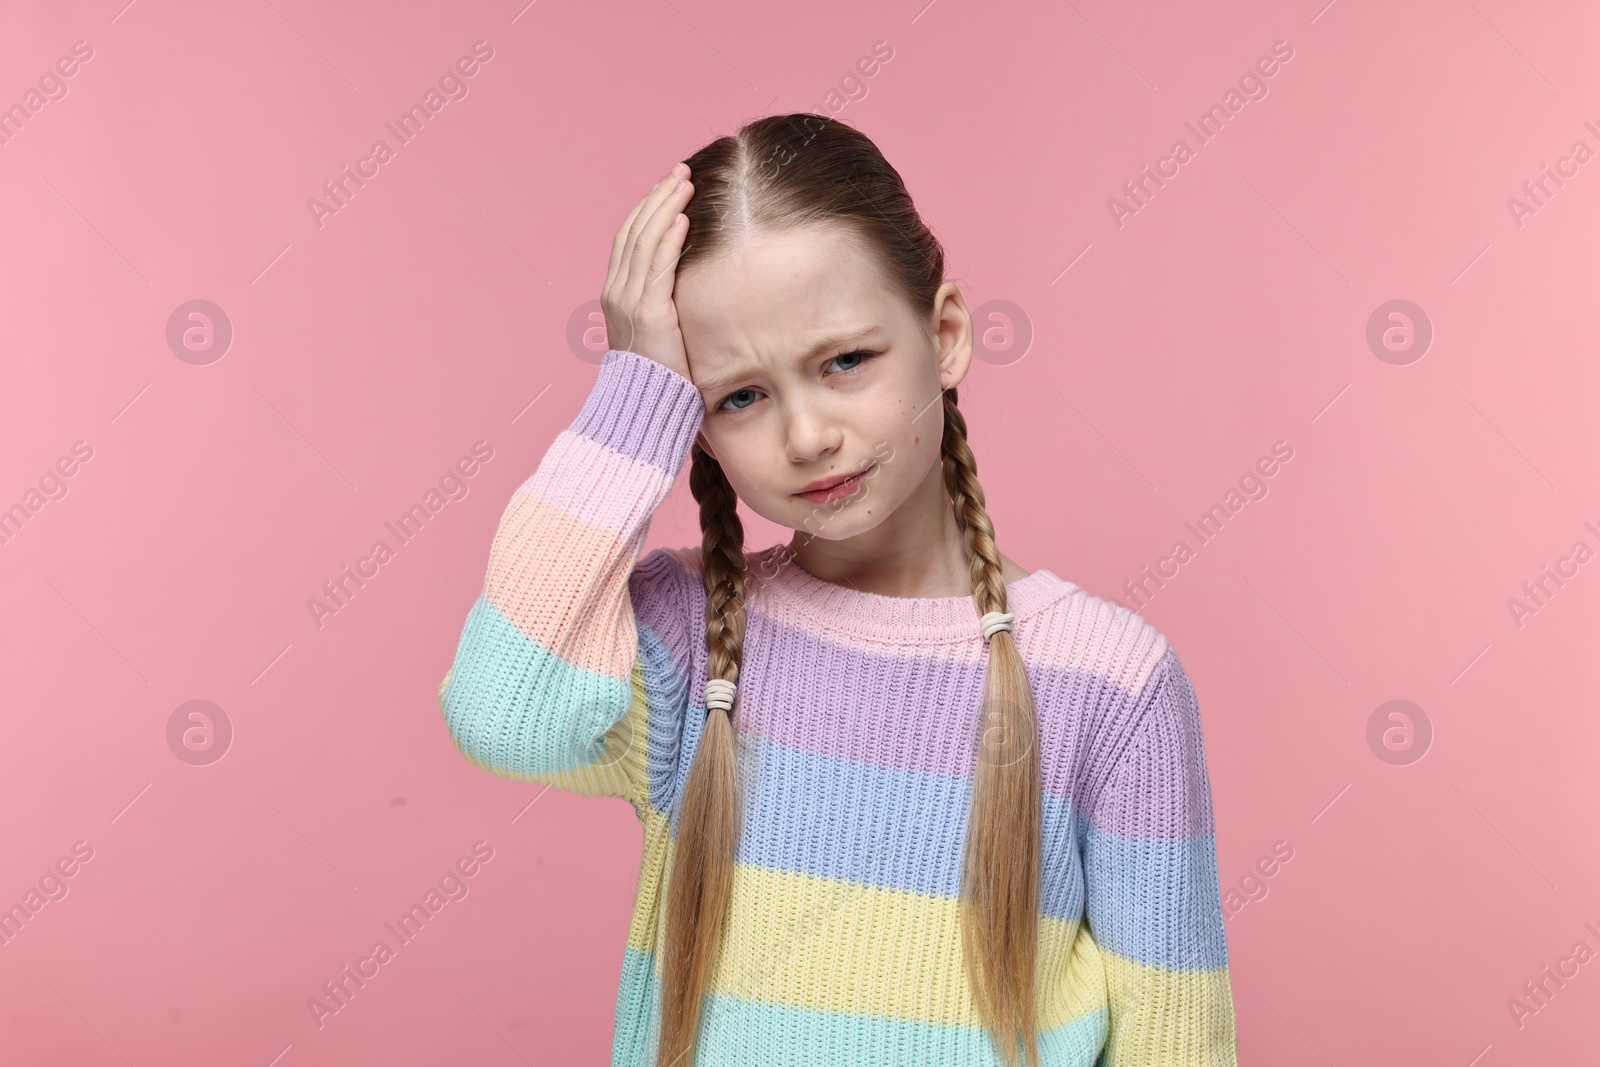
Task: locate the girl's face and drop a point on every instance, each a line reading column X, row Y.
column 813, row 369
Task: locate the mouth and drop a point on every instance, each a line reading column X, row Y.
column 827, row 489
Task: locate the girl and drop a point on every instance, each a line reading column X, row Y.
column 903, row 801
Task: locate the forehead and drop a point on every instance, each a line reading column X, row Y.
column 770, row 294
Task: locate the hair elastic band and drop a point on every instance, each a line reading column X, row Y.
column 719, row 694
column 995, row 621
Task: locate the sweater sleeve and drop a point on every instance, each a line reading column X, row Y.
column 569, row 667
column 1152, row 896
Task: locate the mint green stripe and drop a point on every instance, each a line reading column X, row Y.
column 633, row 1041
column 522, row 709
column 736, row 1033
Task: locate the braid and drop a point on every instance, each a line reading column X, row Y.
column 966, row 495
column 1003, row 865
column 722, row 544
column 701, row 879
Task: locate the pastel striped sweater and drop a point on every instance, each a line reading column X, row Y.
column 584, row 666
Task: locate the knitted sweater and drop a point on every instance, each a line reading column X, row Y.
column 584, row 666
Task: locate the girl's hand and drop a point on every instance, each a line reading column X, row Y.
column 637, row 299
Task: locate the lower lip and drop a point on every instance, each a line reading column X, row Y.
column 836, row 492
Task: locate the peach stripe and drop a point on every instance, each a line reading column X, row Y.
column 564, row 583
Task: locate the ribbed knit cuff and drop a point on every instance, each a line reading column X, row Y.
column 643, row 409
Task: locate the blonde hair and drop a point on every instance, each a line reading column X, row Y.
column 777, row 173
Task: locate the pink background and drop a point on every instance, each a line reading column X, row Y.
column 1230, row 312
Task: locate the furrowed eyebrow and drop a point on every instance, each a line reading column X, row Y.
column 718, row 382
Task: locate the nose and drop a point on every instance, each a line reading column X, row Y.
column 811, row 432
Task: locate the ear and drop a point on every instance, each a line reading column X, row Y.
column 952, row 326
column 705, row 444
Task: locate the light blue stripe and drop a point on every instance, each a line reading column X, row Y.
column 517, row 706
column 638, row 1017
column 736, row 1033
column 667, row 693
column 1154, row 900
column 882, row 826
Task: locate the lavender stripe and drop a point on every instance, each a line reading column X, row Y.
column 642, row 409
column 849, row 703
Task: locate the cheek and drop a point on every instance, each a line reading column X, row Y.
column 746, row 461
column 744, row 487
column 914, row 433
column 904, row 445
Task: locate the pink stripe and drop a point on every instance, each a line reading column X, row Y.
column 596, row 484
column 1089, row 632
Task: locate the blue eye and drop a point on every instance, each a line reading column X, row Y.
column 864, row 356
column 729, row 403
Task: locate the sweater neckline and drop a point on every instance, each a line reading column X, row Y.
column 880, row 619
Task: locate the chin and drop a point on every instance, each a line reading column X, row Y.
column 839, row 525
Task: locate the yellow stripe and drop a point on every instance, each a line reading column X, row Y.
column 644, row 927
column 1184, row 1018
column 820, row 943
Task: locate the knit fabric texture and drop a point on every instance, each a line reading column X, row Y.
column 584, row 666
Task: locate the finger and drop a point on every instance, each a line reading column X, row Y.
column 646, row 248
column 668, row 252
column 619, row 243
column 640, row 216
